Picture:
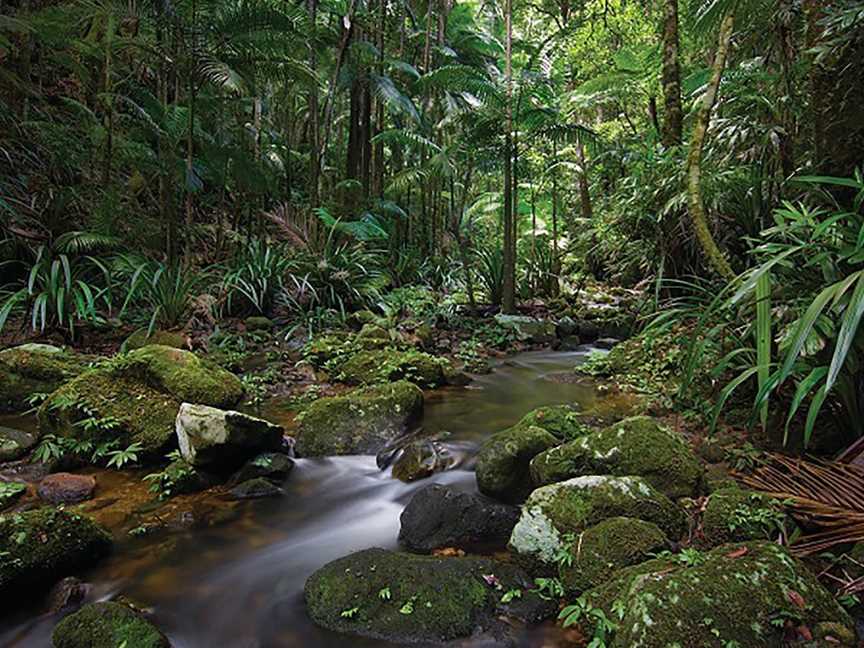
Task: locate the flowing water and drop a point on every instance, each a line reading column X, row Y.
column 240, row 583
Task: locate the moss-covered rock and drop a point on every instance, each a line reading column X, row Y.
column 407, row 598
column 601, row 550
column 388, row 365
column 554, row 514
column 735, row 514
column 331, row 351
column 140, row 339
column 134, row 398
column 504, row 458
column 565, row 422
column 15, row 443
column 107, row 625
column 634, row 446
column 360, row 422
column 40, row 546
column 738, row 595
column 258, row 323
column 34, row 368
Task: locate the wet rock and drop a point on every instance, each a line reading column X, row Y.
column 136, row 397
column 14, row 444
column 554, row 512
column 587, row 330
column 601, row 550
column 566, row 327
column 10, row 493
column 140, row 338
column 406, row 598
column 733, row 596
column 255, row 489
column 388, row 365
column 734, row 514
column 41, row 545
column 421, row 459
column 69, row 592
column 606, row 342
column 107, row 625
column 258, row 323
column 66, row 488
column 34, row 368
column 504, row 458
column 562, row 421
column 528, row 329
column 274, row 466
column 569, row 343
column 439, row 516
column 635, row 446
column 360, row 422
column 219, row 440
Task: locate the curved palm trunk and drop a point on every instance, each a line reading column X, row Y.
column 695, row 203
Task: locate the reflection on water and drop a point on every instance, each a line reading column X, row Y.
column 241, row 584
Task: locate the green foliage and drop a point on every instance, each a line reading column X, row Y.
column 595, row 618
column 164, row 291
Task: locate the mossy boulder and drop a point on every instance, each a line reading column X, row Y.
column 635, row 446
column 15, row 443
column 528, row 329
column 107, row 625
column 259, row 323
column 360, row 422
column 134, row 398
column 736, row 595
column 370, row 331
column 332, row 350
column 565, row 422
column 554, row 514
column 34, row 368
column 504, row 458
column 140, row 338
column 40, row 546
column 601, row 550
column 406, row 598
column 389, row 365
column 735, row 514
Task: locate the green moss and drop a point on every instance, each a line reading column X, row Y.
column 140, row 339
column 134, row 398
column 331, row 351
column 387, row 365
column 635, row 446
column 40, row 546
column 34, row 368
column 503, row 460
column 258, row 323
column 738, row 595
column 563, row 421
column 107, row 625
column 554, row 512
column 601, row 550
column 735, row 514
column 361, row 421
column 408, row 598
column 11, row 492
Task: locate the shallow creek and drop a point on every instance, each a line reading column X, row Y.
column 239, row 583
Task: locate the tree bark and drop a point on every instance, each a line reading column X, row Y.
column 314, row 128
column 696, row 205
column 671, row 77
column 508, row 301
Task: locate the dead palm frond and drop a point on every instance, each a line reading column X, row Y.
column 825, row 495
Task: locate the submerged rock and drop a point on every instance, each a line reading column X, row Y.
column 388, row 365
column 34, row 368
column 14, row 444
column 66, row 488
column 360, row 422
column 734, row 514
column 736, row 595
column 504, row 458
column 601, row 550
column 554, row 514
column 635, row 446
column 134, row 398
column 421, row 459
column 407, row 598
column 256, row 488
column 219, row 440
column 67, row 593
column 439, row 516
column 274, row 466
column 42, row 545
column 107, row 625
column 10, row 493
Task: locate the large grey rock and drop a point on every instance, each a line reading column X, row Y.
column 528, row 329
column 15, row 443
column 218, row 440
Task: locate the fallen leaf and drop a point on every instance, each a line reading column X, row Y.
column 804, row 633
column 737, row 553
column 796, row 599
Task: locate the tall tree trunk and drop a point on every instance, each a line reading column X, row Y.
column 314, row 128
column 587, row 210
column 671, row 76
column 695, row 203
column 508, row 302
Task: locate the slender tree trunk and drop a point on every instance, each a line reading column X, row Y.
column 671, row 77
column 509, row 280
column 314, row 128
column 695, row 202
column 587, row 210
